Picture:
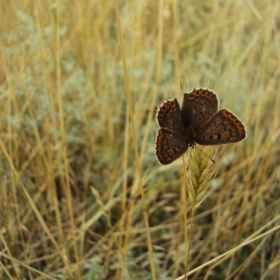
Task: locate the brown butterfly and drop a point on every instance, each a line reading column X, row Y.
column 199, row 121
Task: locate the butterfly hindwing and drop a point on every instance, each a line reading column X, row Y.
column 222, row 128
column 170, row 146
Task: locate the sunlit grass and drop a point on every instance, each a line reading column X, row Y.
column 70, row 198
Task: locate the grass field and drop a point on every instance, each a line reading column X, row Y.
column 79, row 83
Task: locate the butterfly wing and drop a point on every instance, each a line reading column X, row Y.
column 198, row 107
column 170, row 146
column 222, row 128
column 169, row 116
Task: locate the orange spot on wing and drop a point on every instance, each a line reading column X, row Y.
column 203, row 93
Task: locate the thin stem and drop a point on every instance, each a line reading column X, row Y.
column 185, row 218
column 139, row 173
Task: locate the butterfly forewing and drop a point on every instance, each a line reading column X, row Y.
column 222, row 128
column 169, row 116
column 170, row 146
column 198, row 107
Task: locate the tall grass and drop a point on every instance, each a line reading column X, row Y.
column 71, row 180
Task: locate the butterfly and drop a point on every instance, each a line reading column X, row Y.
column 198, row 121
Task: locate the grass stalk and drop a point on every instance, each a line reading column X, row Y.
column 128, row 94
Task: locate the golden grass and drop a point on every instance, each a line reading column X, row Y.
column 78, row 134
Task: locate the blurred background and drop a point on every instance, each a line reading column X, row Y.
column 70, row 199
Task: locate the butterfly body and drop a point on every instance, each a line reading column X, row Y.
column 199, row 121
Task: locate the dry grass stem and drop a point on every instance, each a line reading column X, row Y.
column 82, row 193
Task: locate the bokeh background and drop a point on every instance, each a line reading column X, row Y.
column 71, row 183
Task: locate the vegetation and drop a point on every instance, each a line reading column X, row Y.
column 76, row 173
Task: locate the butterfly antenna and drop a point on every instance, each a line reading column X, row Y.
column 206, row 155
